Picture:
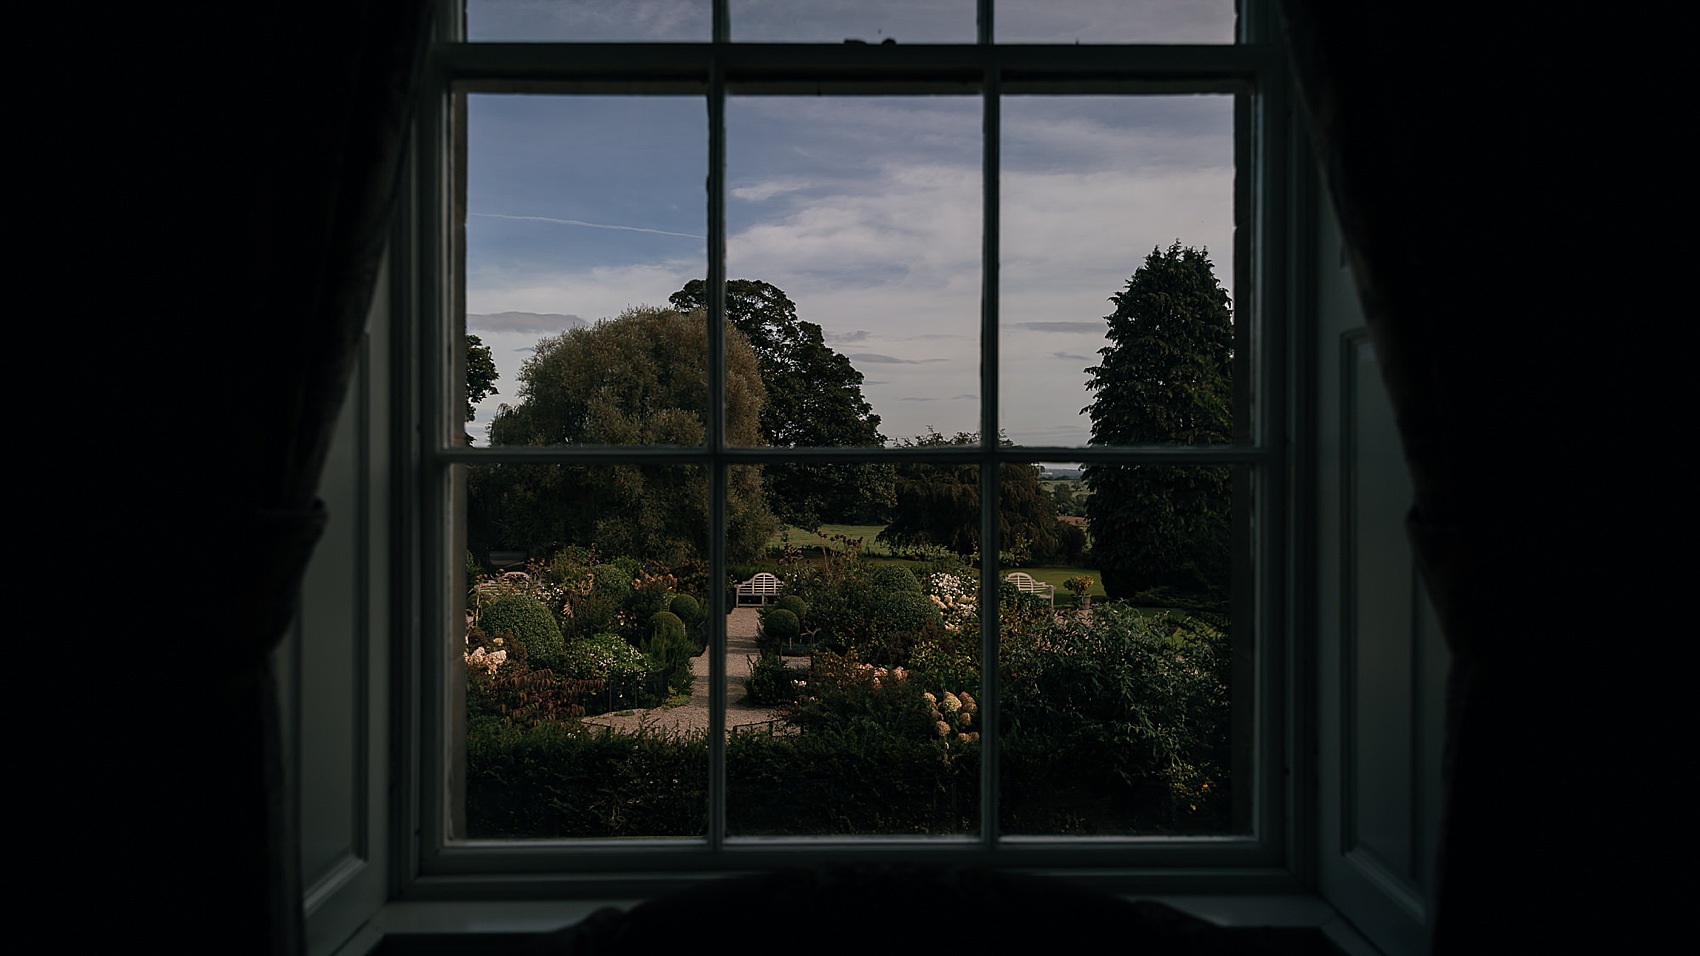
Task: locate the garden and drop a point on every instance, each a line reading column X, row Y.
column 1114, row 718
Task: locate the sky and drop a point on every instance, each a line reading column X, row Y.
column 866, row 211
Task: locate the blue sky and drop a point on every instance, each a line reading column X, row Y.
column 866, row 212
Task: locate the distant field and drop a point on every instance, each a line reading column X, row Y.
column 809, row 539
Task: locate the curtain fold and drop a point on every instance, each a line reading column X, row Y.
column 330, row 90
column 1493, row 167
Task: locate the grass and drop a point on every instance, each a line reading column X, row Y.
column 813, row 541
column 1057, row 575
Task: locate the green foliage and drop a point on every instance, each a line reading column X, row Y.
column 481, row 374
column 793, row 603
column 665, row 625
column 502, row 686
column 530, row 622
column 778, row 628
column 670, row 651
column 640, row 379
column 814, row 399
column 554, row 780
column 939, row 505
column 688, row 610
column 1167, row 377
column 771, row 681
column 877, row 624
column 1126, row 712
column 895, row 578
column 839, row 780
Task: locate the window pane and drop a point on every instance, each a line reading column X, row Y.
column 581, row 20
column 1092, row 188
column 865, row 213
column 1116, row 679
column 837, row 21
column 854, row 708
column 585, row 675
column 1115, row 21
column 583, row 210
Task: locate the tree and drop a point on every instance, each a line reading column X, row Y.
column 480, row 374
column 939, row 504
column 814, row 399
column 640, row 379
column 1166, row 377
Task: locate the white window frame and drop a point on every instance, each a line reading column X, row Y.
column 432, row 866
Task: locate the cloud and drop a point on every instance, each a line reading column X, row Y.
column 857, row 335
column 540, row 323
column 1070, row 356
column 1094, row 328
column 768, row 189
column 876, row 358
column 590, row 225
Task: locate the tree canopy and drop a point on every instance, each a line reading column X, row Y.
column 1166, row 377
column 939, row 504
column 480, row 374
column 640, row 379
column 814, row 399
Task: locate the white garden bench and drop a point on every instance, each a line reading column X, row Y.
column 760, row 589
column 1026, row 585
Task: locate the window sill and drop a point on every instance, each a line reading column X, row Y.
column 1298, row 923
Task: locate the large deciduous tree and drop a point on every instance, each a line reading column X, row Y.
column 640, row 379
column 1166, row 377
column 814, row 399
column 480, row 374
column 939, row 504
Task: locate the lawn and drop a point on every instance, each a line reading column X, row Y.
column 811, row 541
column 808, row 540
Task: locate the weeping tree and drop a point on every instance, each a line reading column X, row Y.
column 939, row 504
column 640, row 379
column 814, row 399
column 1166, row 377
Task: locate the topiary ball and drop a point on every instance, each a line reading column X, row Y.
column 665, row 627
column 530, row 622
column 686, row 609
column 793, row 603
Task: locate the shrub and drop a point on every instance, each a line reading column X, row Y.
column 878, row 625
column 772, row 682
column 622, row 670
column 778, row 628
column 837, row 780
column 670, row 652
column 649, row 595
column 687, row 610
column 793, row 603
column 1128, row 710
column 558, row 781
column 896, row 579
column 530, row 622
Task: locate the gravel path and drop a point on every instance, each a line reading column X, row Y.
column 692, row 717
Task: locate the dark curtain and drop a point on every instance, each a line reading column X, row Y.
column 1498, row 170
column 251, row 155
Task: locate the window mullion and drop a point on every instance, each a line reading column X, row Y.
column 716, row 427
column 989, row 438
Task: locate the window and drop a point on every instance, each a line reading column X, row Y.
column 994, row 148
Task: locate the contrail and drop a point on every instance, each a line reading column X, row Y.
column 592, row 225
